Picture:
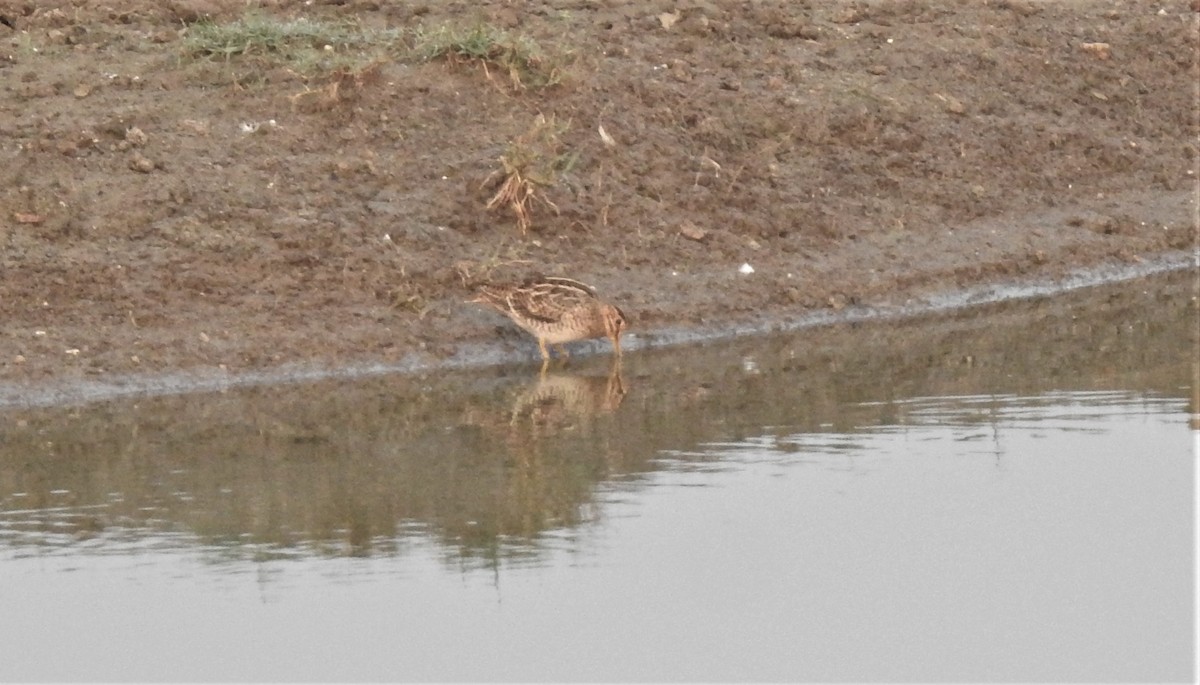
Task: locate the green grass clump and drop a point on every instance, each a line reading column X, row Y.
column 519, row 57
column 302, row 43
column 311, row 45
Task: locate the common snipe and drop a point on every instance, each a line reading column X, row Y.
column 556, row 311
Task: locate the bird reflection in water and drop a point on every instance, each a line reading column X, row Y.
column 559, row 400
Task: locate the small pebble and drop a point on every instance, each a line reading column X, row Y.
column 135, row 136
column 141, row 164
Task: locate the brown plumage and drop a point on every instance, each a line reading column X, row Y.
column 557, row 310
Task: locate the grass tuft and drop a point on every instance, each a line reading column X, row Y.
column 312, row 46
column 520, row 57
column 304, row 44
column 530, row 164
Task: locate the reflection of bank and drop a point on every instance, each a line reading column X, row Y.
column 482, row 468
column 558, row 400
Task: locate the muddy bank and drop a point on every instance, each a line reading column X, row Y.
column 175, row 211
column 75, row 392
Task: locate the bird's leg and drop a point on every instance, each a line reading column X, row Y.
column 616, row 341
column 615, row 367
column 615, row 391
column 545, row 352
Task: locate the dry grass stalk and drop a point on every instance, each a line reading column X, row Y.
column 343, row 84
column 515, row 192
column 529, row 164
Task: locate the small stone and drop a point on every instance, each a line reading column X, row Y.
column 691, row 231
column 953, row 104
column 135, row 136
column 1098, row 50
column 199, row 128
column 19, row 359
column 141, row 164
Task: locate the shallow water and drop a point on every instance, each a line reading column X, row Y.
column 1006, row 493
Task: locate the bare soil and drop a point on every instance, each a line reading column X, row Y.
column 160, row 211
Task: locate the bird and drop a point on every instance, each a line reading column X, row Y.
column 556, row 310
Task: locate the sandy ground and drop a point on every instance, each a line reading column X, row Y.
column 166, row 210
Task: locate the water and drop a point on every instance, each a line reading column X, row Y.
column 1002, row 494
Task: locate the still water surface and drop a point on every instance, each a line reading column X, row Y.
column 1001, row 494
